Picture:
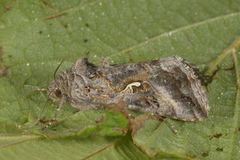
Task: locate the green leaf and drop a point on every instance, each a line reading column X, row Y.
column 35, row 35
column 84, row 124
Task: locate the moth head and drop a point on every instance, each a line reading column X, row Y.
column 54, row 91
column 57, row 89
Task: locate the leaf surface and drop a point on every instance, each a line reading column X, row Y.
column 35, row 35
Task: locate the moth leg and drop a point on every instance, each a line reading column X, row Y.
column 59, row 107
column 60, row 104
column 36, row 90
column 41, row 90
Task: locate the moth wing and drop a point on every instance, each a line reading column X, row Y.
column 178, row 91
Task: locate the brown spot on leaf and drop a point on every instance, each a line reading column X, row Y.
column 1, row 51
column 229, row 68
column 219, row 149
column 87, row 25
column 47, row 120
column 66, row 25
column 100, row 120
column 218, row 135
column 3, row 69
column 130, row 60
column 7, row 7
column 46, row 123
column 87, row 54
column 205, row 154
column 47, row 4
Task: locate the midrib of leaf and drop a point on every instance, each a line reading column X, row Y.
column 25, row 138
column 212, row 66
column 125, row 50
column 100, row 150
column 34, row 138
column 231, row 51
column 237, row 103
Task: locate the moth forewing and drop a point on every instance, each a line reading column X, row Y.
column 166, row 87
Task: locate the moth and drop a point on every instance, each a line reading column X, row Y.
column 167, row 87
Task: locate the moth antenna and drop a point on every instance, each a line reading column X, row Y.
column 36, row 90
column 45, row 104
column 54, row 76
column 39, row 115
column 49, row 93
column 55, row 72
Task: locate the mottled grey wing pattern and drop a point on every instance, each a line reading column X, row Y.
column 166, row 87
column 177, row 91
